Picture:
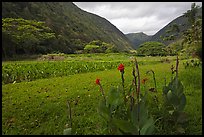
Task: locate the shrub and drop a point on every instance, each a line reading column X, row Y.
column 152, row 48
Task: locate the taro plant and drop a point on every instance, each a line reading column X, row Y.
column 126, row 112
column 192, row 63
column 175, row 100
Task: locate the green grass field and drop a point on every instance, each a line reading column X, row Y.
column 38, row 106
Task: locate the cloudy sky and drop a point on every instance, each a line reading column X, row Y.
column 133, row 17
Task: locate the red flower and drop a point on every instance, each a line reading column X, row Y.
column 144, row 80
column 98, row 81
column 121, row 67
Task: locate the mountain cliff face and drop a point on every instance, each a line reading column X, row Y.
column 75, row 26
column 181, row 21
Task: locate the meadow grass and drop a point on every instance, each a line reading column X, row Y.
column 39, row 107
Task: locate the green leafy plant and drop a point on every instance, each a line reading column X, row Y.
column 152, row 48
column 175, row 100
column 126, row 112
column 192, row 63
column 27, row 36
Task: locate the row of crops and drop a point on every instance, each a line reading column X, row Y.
column 32, row 70
column 17, row 72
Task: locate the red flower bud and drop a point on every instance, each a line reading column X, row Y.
column 121, row 67
column 98, row 81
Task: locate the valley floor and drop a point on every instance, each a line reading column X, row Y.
column 39, row 106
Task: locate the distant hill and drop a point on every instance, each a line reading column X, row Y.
column 181, row 21
column 137, row 38
column 75, row 26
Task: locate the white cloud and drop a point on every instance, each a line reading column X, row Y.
column 132, row 17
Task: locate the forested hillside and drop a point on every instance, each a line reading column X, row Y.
column 138, row 38
column 72, row 27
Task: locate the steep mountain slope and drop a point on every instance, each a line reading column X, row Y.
column 181, row 21
column 137, row 38
column 71, row 25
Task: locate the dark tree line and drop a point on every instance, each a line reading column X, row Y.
column 20, row 36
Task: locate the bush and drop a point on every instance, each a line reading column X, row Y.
column 98, row 46
column 152, row 48
column 91, row 49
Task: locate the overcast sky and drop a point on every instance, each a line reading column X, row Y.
column 133, row 17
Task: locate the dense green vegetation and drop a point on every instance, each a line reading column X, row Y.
column 152, row 48
column 28, row 72
column 98, row 46
column 42, row 86
column 39, row 106
column 72, row 27
column 55, row 65
column 188, row 41
column 26, row 37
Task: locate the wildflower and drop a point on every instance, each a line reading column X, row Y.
column 144, row 80
column 101, row 88
column 98, row 81
column 121, row 67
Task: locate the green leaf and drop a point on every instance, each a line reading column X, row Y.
column 67, row 131
column 182, row 103
column 169, row 95
column 125, row 126
column 143, row 113
column 148, row 127
column 165, row 90
column 179, row 89
column 115, row 97
column 103, row 110
column 171, row 112
column 134, row 115
column 176, row 86
column 172, row 98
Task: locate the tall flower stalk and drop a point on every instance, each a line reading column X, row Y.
column 101, row 88
column 134, row 82
column 121, row 68
column 155, row 86
column 138, row 92
column 123, row 117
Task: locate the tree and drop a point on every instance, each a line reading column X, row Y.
column 191, row 14
column 27, row 35
column 193, row 36
column 97, row 46
column 152, row 48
